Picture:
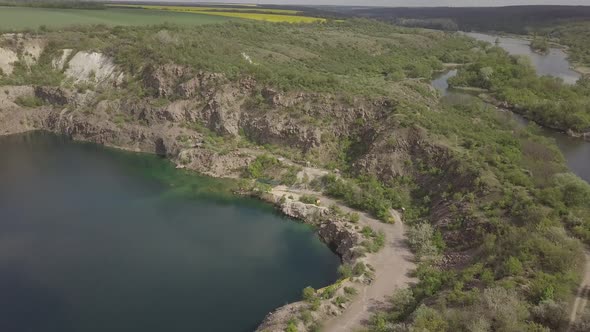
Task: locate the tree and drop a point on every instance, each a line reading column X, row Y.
column 551, row 313
column 428, row 320
column 575, row 191
column 504, row 309
column 513, row 266
column 308, row 294
column 420, row 239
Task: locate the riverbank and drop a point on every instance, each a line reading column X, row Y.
column 489, row 98
column 441, row 83
column 533, row 93
column 554, row 63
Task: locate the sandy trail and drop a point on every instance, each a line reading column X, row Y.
column 581, row 299
column 393, row 265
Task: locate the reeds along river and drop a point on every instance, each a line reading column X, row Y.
column 554, row 63
column 93, row 239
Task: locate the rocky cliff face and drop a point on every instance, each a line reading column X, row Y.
column 342, row 237
column 335, row 232
column 199, row 104
column 185, row 107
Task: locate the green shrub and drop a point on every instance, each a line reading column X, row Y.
column 420, row 238
column 258, row 167
column 289, row 178
column 309, row 294
column 340, row 300
column 428, row 319
column 329, row 292
column 308, row 199
column 513, row 267
column 29, row 101
column 345, row 271
column 375, row 240
column 350, row 290
column 306, row 316
column 354, row 217
column 291, row 326
column 359, row 269
column 368, row 195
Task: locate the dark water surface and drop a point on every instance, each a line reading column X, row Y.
column 575, row 150
column 93, row 239
column 441, row 82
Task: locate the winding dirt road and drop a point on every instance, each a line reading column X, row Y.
column 581, row 300
column 393, row 265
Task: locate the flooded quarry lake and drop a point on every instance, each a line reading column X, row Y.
column 94, row 239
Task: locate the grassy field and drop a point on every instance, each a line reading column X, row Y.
column 20, row 18
column 245, row 12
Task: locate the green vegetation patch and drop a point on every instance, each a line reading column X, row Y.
column 545, row 100
column 269, row 169
column 31, row 18
column 356, row 57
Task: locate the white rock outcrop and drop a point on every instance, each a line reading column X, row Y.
column 32, row 49
column 92, row 67
column 7, row 60
column 59, row 63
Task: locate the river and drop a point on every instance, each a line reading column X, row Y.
column 94, row 239
column 555, row 63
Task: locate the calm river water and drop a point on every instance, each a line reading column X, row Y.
column 555, row 63
column 95, row 240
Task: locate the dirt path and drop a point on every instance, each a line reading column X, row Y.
column 393, row 264
column 583, row 294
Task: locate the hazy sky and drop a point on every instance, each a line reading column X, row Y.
column 406, row 3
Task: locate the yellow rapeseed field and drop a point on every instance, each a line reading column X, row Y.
column 245, row 12
column 268, row 17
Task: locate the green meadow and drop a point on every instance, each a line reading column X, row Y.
column 21, row 18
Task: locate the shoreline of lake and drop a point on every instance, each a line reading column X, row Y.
column 165, row 192
column 335, row 233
